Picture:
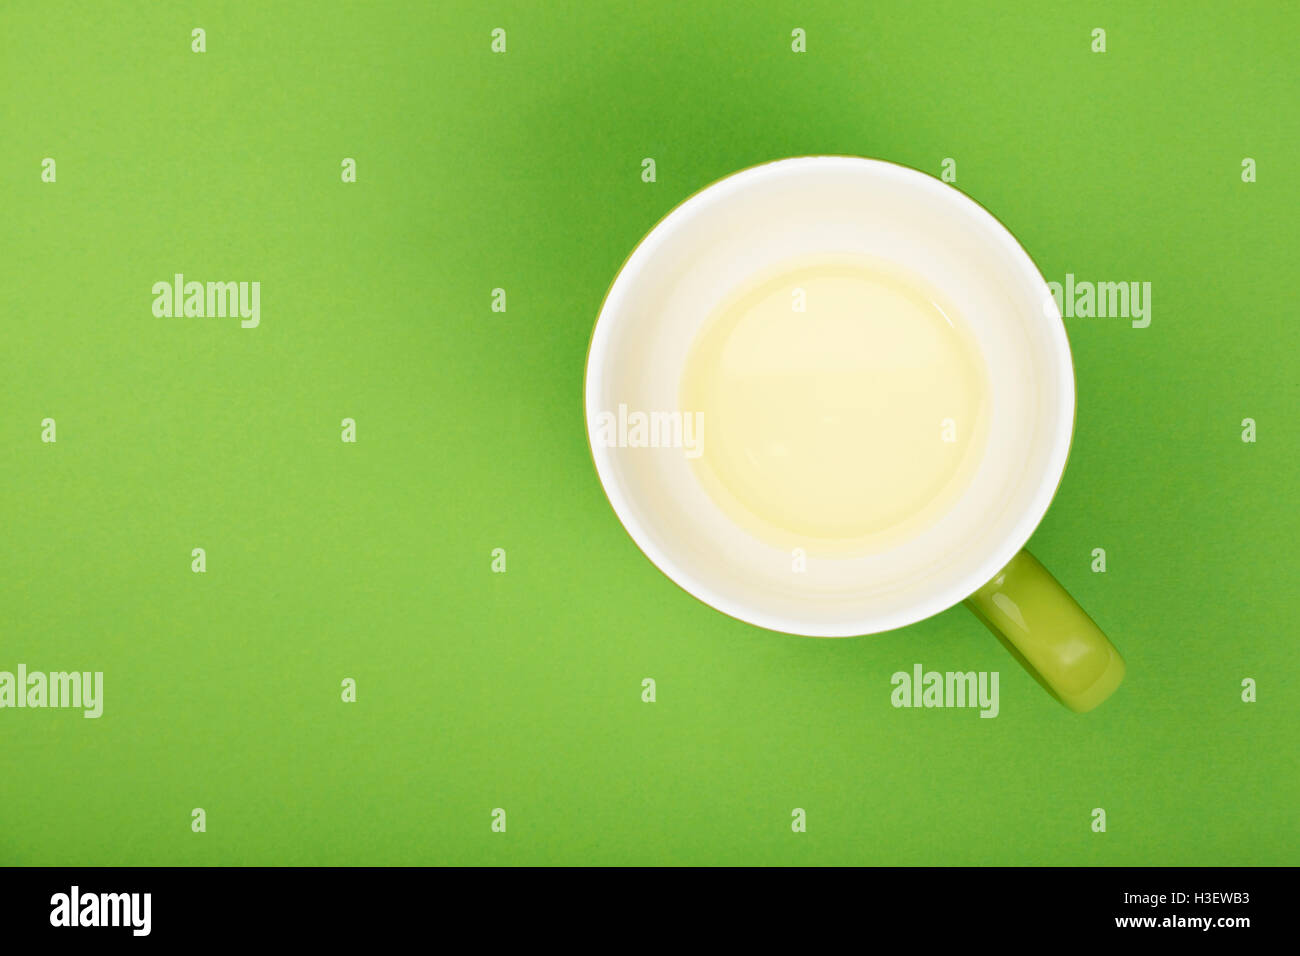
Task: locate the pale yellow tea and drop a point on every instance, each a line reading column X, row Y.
column 844, row 405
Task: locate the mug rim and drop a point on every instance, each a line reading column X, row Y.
column 992, row 562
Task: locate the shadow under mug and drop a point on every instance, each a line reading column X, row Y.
column 761, row 216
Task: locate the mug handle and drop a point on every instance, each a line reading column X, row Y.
column 1047, row 631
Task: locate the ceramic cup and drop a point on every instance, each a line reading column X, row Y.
column 757, row 218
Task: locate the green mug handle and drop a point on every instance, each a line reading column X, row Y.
column 1049, row 633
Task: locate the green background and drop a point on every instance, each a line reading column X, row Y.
column 477, row 690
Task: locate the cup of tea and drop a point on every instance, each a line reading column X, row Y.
column 833, row 396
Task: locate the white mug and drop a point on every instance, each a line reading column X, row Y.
column 756, row 218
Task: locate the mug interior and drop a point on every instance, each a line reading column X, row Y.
column 758, row 218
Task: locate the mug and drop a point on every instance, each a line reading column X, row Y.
column 714, row 241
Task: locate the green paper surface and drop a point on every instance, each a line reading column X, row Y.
column 372, row 560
